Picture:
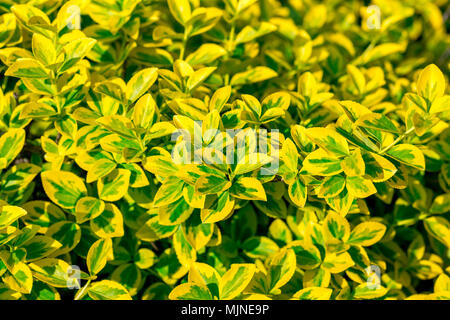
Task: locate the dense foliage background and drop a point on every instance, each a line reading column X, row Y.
column 350, row 201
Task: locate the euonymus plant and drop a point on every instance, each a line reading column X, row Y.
column 236, row 149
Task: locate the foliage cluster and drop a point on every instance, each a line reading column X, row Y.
column 350, row 199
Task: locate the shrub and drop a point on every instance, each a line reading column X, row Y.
column 234, row 149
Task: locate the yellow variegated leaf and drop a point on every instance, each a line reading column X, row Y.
column 248, row 189
column 331, row 186
column 138, row 178
column 99, row 169
column 367, row 233
column 40, row 247
column 43, row 49
column 308, row 256
column 376, row 121
column 425, row 269
column 175, row 213
column 353, row 110
column 316, row 278
column 190, row 291
column 118, row 124
column 235, row 280
column 442, row 283
column 320, row 163
column 279, row 230
column 152, row 230
column 114, row 186
column 360, row 187
column 183, row 69
column 112, row 89
column 357, row 78
column 194, row 199
column 160, row 166
column 277, row 100
column 217, row 209
column 186, row 254
column 67, row 233
column 26, row 13
column 205, row 275
column 431, row 83
column 272, row 114
column 249, row 33
column 37, row 110
column 198, row 234
column 8, row 294
column 281, row 268
column 341, row 203
column 11, row 143
column 128, row 275
column 205, row 54
column 202, row 20
column 307, row 84
column 210, row 126
column 109, row 223
column 140, row 83
column 441, row 104
column 329, row 140
column 439, row 228
column 210, row 184
column 289, row 155
column 220, row 98
column 380, row 51
column 9, row 214
column 416, row 249
column 256, row 74
column 144, row 111
column 198, row 77
column 170, row 191
column 251, row 162
column 19, row 276
column 298, row 192
column 108, row 290
column 145, row 258
column 337, row 262
column 55, row 272
column 441, row 204
column 75, row 51
column 409, row 155
column 366, row 291
column 336, row 228
column 98, row 255
column 27, row 68
column 313, row 293
column 43, row 214
column 180, row 9
column 63, row 188
column 378, row 168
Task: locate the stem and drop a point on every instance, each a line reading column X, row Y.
column 369, row 47
column 230, row 45
column 183, row 48
column 226, row 79
column 229, row 48
column 400, row 138
column 80, row 294
column 300, row 114
column 264, row 10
